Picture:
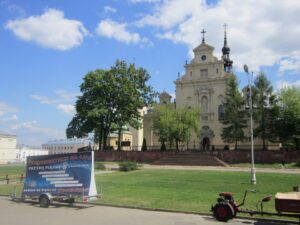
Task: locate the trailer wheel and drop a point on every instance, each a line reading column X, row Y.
column 222, row 212
column 44, row 201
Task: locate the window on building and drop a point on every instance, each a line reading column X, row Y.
column 217, row 71
column 221, row 112
column 203, row 73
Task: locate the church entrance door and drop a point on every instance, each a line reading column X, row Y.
column 205, row 144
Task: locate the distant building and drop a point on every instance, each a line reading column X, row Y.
column 137, row 134
column 8, row 144
column 67, row 145
column 23, row 152
column 126, row 140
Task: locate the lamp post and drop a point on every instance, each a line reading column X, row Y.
column 250, row 79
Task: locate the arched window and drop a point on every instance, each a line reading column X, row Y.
column 204, row 103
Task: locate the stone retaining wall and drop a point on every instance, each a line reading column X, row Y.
column 242, row 156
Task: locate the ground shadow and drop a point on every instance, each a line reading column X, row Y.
column 76, row 206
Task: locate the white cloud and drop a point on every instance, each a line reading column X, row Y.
column 5, row 108
column 67, row 109
column 66, row 96
column 259, row 34
column 111, row 29
column 285, row 84
column 63, row 101
column 30, row 132
column 13, row 117
column 144, row 1
column 291, row 63
column 43, row 99
column 109, row 9
column 171, row 13
column 30, row 125
column 50, row 30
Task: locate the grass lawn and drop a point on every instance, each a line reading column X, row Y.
column 269, row 165
column 12, row 169
column 193, row 191
column 183, row 190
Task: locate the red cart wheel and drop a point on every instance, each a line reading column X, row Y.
column 223, row 212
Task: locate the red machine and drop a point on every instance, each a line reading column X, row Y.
column 286, row 204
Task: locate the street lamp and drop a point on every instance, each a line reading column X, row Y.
column 250, row 79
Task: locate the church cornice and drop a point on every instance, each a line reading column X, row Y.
column 200, row 64
column 201, row 81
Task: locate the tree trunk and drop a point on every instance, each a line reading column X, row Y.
column 263, row 131
column 119, row 138
column 105, row 135
column 235, row 146
column 99, row 134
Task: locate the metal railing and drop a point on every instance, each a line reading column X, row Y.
column 12, row 179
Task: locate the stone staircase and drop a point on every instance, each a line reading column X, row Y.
column 190, row 159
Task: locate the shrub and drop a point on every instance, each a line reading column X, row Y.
column 99, row 166
column 128, row 166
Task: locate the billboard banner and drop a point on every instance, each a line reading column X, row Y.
column 60, row 174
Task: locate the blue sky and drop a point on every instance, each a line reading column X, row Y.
column 46, row 47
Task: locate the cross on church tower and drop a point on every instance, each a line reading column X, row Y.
column 225, row 38
column 203, row 32
column 225, row 26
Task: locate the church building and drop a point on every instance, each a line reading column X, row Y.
column 202, row 85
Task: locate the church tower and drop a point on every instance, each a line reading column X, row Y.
column 203, row 85
column 226, row 54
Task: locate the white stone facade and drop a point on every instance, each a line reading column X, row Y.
column 8, row 144
column 203, row 85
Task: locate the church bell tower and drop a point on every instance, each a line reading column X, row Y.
column 226, row 55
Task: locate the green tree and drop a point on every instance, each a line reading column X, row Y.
column 264, row 101
column 234, row 117
column 175, row 125
column 163, row 122
column 187, row 123
column 110, row 97
column 288, row 118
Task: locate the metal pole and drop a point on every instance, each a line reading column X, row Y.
column 253, row 174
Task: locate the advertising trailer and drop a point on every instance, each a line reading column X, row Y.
column 60, row 177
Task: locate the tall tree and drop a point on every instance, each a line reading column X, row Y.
column 187, row 123
column 264, row 100
column 234, row 117
column 288, row 120
column 110, row 97
column 175, row 125
column 163, row 122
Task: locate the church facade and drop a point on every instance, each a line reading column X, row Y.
column 202, row 85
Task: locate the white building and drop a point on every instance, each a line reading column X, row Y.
column 67, row 145
column 8, row 144
column 23, row 152
column 138, row 134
